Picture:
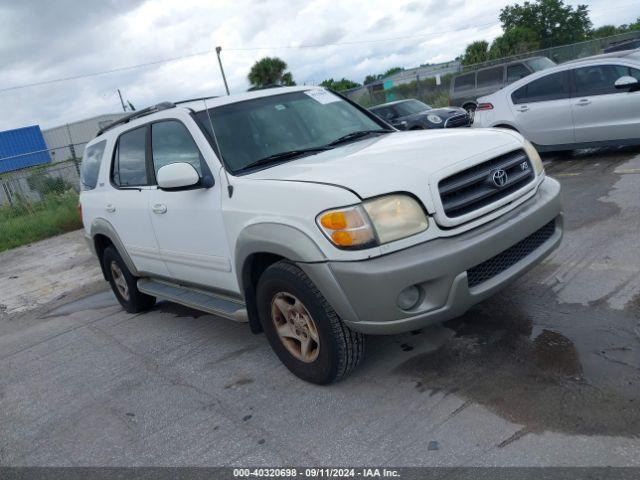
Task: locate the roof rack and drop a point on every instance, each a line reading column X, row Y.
column 140, row 113
column 196, row 99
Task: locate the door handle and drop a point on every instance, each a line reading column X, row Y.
column 523, row 109
column 159, row 208
column 110, row 208
column 583, row 102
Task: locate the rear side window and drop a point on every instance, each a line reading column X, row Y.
column 464, row 82
column 516, row 72
column 551, row 87
column 91, row 165
column 491, row 77
column 130, row 168
column 598, row 79
column 171, row 142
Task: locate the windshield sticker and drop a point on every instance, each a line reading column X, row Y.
column 280, row 107
column 322, row 96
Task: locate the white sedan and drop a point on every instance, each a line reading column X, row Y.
column 579, row 104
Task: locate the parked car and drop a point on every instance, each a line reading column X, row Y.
column 311, row 218
column 621, row 46
column 584, row 103
column 414, row 115
column 467, row 87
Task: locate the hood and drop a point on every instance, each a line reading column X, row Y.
column 445, row 112
column 395, row 162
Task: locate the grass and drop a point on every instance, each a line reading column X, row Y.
column 26, row 222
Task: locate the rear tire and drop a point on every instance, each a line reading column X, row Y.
column 303, row 329
column 124, row 284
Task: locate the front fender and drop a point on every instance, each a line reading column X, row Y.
column 277, row 239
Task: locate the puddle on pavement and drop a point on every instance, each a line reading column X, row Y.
column 546, row 366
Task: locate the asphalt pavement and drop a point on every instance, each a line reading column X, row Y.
column 546, row 372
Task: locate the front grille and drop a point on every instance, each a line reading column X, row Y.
column 512, row 255
column 457, row 121
column 474, row 188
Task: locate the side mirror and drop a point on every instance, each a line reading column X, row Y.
column 177, row 175
column 628, row 83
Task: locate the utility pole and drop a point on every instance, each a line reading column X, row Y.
column 124, row 108
column 224, row 79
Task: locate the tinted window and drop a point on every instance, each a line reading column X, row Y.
column 538, row 64
column 516, row 72
column 409, row 107
column 598, row 79
column 635, row 73
column 91, row 165
column 130, row 167
column 385, row 112
column 465, row 82
column 551, row 87
column 491, row 77
column 171, row 142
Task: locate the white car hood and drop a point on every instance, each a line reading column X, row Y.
column 395, row 162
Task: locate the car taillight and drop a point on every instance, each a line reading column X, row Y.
column 485, row 106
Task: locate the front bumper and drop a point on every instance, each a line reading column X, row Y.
column 364, row 293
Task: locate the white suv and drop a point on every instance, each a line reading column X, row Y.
column 300, row 212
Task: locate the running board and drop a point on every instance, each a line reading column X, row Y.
column 194, row 298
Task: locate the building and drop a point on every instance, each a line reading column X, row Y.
column 68, row 140
column 22, row 148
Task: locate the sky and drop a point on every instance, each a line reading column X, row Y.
column 44, row 40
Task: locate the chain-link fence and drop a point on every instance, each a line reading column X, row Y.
column 431, row 83
column 38, row 202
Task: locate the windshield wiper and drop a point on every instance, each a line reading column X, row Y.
column 355, row 135
column 276, row 157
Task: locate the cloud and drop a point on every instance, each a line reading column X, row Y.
column 42, row 40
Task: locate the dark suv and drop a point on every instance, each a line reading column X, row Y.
column 467, row 87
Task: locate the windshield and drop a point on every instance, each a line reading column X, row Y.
column 541, row 63
column 256, row 129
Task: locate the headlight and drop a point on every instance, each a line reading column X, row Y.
column 433, row 118
column 374, row 222
column 534, row 156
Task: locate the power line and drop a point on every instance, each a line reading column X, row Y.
column 206, row 52
column 104, row 72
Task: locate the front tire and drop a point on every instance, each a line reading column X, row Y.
column 124, row 284
column 303, row 329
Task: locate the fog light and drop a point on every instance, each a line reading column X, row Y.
column 409, row 297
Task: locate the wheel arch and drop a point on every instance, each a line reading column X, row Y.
column 507, row 126
column 470, row 103
column 103, row 234
column 261, row 245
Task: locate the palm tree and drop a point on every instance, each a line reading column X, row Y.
column 269, row 71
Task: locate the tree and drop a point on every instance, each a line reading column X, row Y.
column 554, row 22
column 269, row 71
column 476, row 52
column 514, row 41
column 376, row 78
column 338, row 85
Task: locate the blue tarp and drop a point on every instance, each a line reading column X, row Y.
column 22, row 148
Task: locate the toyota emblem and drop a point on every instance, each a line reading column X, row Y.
column 499, row 178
